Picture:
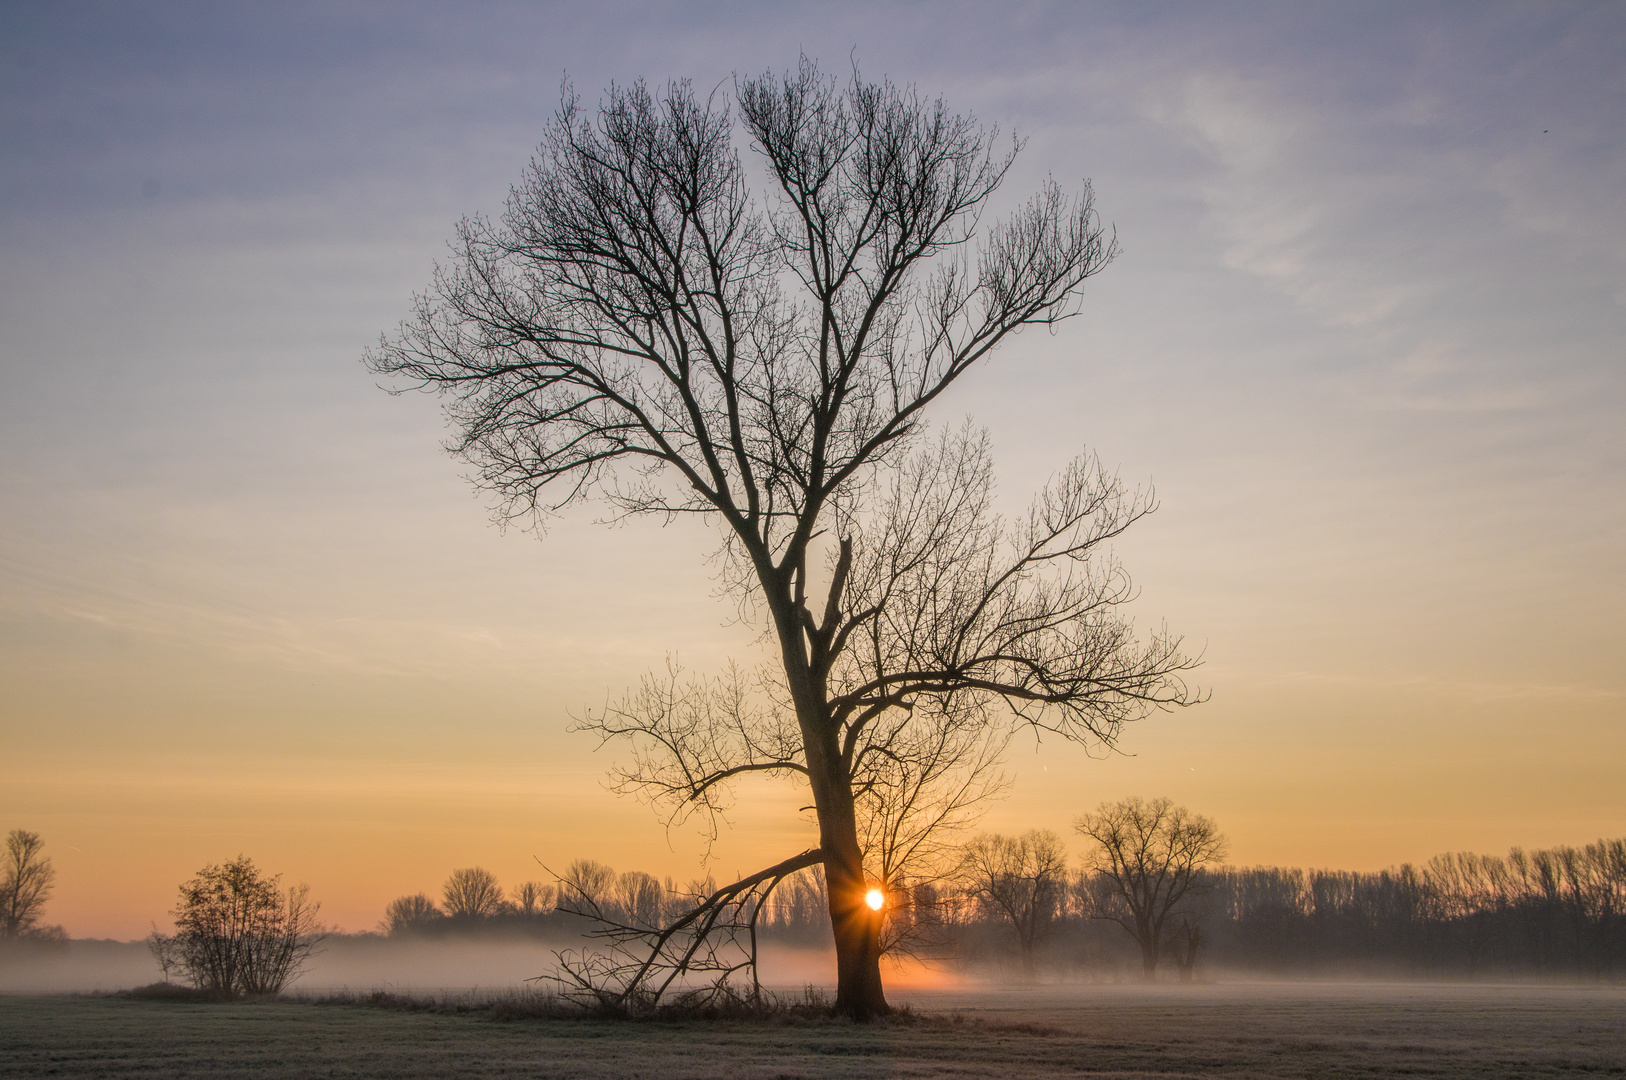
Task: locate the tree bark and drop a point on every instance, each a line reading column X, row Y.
column 856, row 928
column 859, row 994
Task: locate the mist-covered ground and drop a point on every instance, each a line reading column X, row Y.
column 1249, row 1029
column 368, row 962
column 461, row 963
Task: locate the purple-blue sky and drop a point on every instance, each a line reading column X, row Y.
column 1367, row 336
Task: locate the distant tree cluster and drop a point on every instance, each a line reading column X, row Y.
column 470, row 898
column 589, row 892
column 1147, row 856
column 26, row 878
column 1143, row 870
column 1557, row 911
column 238, row 932
column 1144, row 894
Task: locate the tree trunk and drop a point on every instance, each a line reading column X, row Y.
column 1148, row 949
column 857, row 928
column 859, row 995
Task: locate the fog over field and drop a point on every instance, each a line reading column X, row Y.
column 484, row 963
column 368, row 962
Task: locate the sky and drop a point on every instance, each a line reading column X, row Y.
column 1367, row 338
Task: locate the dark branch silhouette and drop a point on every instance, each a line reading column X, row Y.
column 689, row 952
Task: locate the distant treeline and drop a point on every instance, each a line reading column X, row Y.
column 472, row 900
column 1558, row 911
column 1554, row 912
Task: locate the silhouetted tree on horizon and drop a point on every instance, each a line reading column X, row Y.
column 26, row 878
column 643, row 329
column 1020, row 880
column 472, row 893
column 410, row 914
column 1148, row 856
column 533, row 897
column 587, row 882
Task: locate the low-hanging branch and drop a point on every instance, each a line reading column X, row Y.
column 714, row 939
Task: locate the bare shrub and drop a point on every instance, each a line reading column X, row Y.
column 240, row 933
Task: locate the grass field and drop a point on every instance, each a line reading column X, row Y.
column 1244, row 1030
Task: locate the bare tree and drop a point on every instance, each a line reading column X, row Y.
column 239, row 932
column 1020, row 880
column 640, row 899
column 472, row 893
column 166, row 951
column 533, row 897
column 1148, row 857
column 25, row 884
column 800, row 905
column 410, row 914
column 1181, row 940
column 641, row 328
column 586, row 885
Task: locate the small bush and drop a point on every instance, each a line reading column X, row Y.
column 238, row 933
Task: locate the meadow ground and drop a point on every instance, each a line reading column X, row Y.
column 1235, row 1030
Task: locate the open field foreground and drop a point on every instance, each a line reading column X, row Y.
column 1248, row 1030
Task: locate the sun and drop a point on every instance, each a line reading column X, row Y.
column 875, row 898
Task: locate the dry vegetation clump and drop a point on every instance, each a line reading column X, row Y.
column 811, row 1008
column 520, row 1004
column 168, row 991
column 812, row 1005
